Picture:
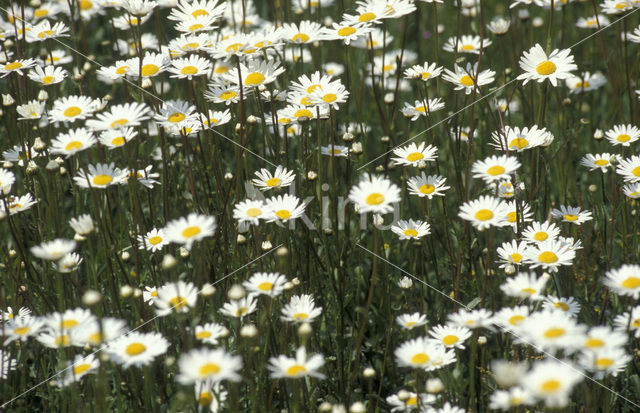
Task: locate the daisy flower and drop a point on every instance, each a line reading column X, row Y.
column 187, row 230
column 96, row 332
column 540, row 67
column 510, row 399
column 411, row 229
column 471, row 318
column 16, row 66
column 31, row 110
column 499, row 25
column 586, row 82
column 72, row 108
column 409, row 401
column 610, row 361
column 632, row 190
column 624, row 280
column 281, row 178
column 7, row 179
column 552, row 331
column 17, row 204
column 53, row 250
column 411, row 321
column 423, row 353
column 175, row 112
column 153, row 240
column 68, row 263
column 304, row 32
column 552, row 381
column 285, row 208
column 283, row 367
column 510, row 318
column 223, row 93
column 78, row 368
column 256, row 74
column 72, row 142
column 469, row 79
column 539, row 232
column 115, row 138
column 346, row 31
column 137, row 349
column 44, row 30
column 215, row 118
column 567, row 305
column 484, row 212
column 152, row 65
column 184, row 9
column 616, row 6
column 205, row 364
column 70, row 319
column 251, row 211
column 629, row 321
column 622, row 135
column 50, row 75
column 603, row 337
column 179, row 297
column 429, row 186
column 517, row 139
column 511, row 253
column 495, row 168
column 600, row 161
column 240, row 308
column 329, row 95
column 301, row 309
column 424, row 72
column 120, row 116
column 525, row 285
column 412, row 154
column 513, row 215
column 262, row 283
column 549, row 255
column 189, row 67
column 335, row 150
column 571, row 214
column 449, row 336
column 210, row 333
column 7, row 364
column 592, row 22
column 466, row 44
column 421, row 108
column 21, row 328
column 100, row 176
column 210, row 395
column 374, row 194
column 629, row 169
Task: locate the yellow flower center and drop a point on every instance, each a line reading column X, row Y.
column 205, row 399
column 466, row 80
column 118, row 141
column 47, row 80
column 85, row 4
column 21, row 330
column 296, row 370
column 45, row 33
column 594, row 343
column 623, row 138
column 135, row 349
column 272, row 182
column 420, row 358
column 519, row 143
column 189, row 70
column 195, row 27
column 40, row 12
column 427, row 189
column 329, row 97
column 412, row 401
column 199, row 12
column 265, row 286
column 604, row 363
column 72, row 111
column 283, row 214
column 515, row 257
column 191, row 231
column 366, row 17
column 209, row 369
column 13, row 66
column 601, row 162
column 547, row 257
column 570, row 217
column 631, row 283
column 546, row 68
column 540, row 236
column 636, row 171
column 374, row 199
column 425, row 75
column 346, row 31
column 512, row 216
column 73, row 146
column 119, row 122
column 450, row 340
column 554, row 332
column 178, row 302
column 303, row 113
column 229, row 94
column 496, row 170
column 516, row 319
column 253, row 212
column 81, row 368
column 67, row 324
column 241, row 311
column 149, row 69
column 122, row 70
column 254, row 79
column 233, row 48
column 467, row 47
column 203, row 334
column 484, row 215
column 102, row 180
column 61, row 340
column 529, row 290
column 550, row 386
column 300, row 38
column 300, row 316
column 415, row 156
column 410, row 232
column 176, row 117
column 562, row 305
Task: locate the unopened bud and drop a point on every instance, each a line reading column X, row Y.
column 7, row 100
column 43, row 95
column 236, row 292
column 126, row 291
column 207, row 290
column 248, row 331
column 168, row 261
